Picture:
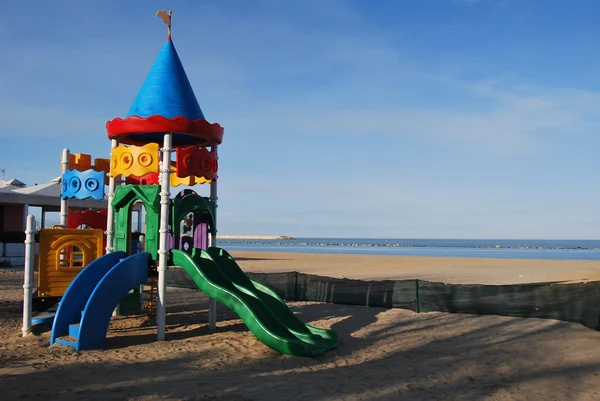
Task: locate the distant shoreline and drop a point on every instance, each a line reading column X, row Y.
column 503, row 249
column 263, row 237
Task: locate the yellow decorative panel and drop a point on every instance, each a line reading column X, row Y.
column 134, row 160
column 189, row 181
column 63, row 254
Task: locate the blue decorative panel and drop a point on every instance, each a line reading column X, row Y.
column 83, row 185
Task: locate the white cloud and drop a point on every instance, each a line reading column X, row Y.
column 515, row 123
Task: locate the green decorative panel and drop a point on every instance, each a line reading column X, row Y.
column 125, row 197
column 192, row 203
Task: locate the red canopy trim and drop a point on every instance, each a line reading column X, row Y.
column 131, row 130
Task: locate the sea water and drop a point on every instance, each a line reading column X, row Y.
column 464, row 248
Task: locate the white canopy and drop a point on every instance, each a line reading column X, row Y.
column 47, row 195
column 11, row 183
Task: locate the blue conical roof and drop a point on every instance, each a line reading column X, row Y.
column 167, row 91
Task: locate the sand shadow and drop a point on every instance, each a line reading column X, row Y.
column 440, row 367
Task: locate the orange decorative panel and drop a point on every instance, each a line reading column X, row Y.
column 80, row 161
column 102, row 165
column 83, row 162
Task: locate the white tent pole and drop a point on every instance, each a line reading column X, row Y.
column 28, row 273
column 212, row 304
column 110, row 215
column 64, row 204
column 163, row 247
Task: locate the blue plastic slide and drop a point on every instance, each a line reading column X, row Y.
column 85, row 316
column 79, row 291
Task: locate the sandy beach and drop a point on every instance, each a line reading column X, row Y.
column 383, row 354
column 442, row 269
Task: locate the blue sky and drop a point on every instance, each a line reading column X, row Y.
column 398, row 119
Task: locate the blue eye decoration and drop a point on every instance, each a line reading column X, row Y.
column 74, row 185
column 91, row 184
column 83, row 185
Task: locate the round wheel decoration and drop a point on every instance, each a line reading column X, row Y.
column 206, row 164
column 145, row 159
column 74, row 184
column 126, row 161
column 188, row 160
column 91, row 184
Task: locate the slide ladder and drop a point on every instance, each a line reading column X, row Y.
column 149, row 296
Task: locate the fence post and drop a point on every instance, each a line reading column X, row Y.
column 296, row 287
column 417, row 301
column 598, row 286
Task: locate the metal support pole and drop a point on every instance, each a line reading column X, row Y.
column 110, row 215
column 163, row 248
column 64, row 204
column 28, row 273
column 212, row 304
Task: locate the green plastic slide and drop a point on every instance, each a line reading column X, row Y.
column 266, row 315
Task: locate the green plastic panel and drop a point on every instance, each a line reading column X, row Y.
column 192, row 203
column 125, row 197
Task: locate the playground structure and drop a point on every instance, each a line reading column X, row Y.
column 79, row 238
column 96, row 272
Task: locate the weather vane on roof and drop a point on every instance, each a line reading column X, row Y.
column 166, row 17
